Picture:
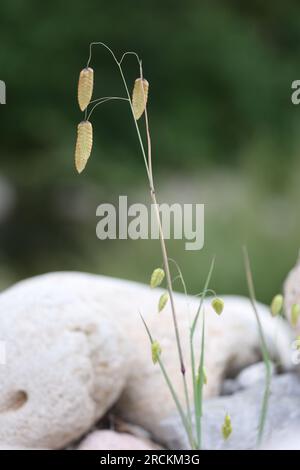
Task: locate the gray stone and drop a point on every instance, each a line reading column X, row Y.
column 248, row 377
column 244, row 407
column 253, row 374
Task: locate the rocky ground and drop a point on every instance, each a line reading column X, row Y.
column 78, row 372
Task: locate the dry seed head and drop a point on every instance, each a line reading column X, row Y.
column 85, row 87
column 139, row 97
column 84, row 144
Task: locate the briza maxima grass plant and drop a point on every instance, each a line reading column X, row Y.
column 191, row 410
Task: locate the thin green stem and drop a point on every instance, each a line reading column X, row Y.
column 264, row 349
column 200, row 385
column 196, row 389
column 180, row 275
column 165, row 260
column 100, row 44
column 212, row 265
column 167, row 271
column 104, row 100
column 148, row 163
column 136, row 124
column 208, row 291
column 185, row 421
column 129, row 53
column 172, row 391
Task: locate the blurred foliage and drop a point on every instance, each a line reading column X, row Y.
column 220, row 82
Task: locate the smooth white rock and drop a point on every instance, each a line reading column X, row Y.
column 111, row 440
column 75, row 345
column 248, row 377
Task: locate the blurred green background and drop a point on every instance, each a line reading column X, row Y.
column 224, row 133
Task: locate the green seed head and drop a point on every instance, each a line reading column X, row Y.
column 218, row 305
column 295, row 314
column 204, row 377
column 156, row 351
column 163, row 301
column 227, row 427
column 157, row 277
column 276, row 305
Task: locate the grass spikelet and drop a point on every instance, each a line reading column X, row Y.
column 295, row 315
column 227, row 427
column 84, row 144
column 156, row 351
column 218, row 305
column 157, row 277
column 139, row 97
column 163, row 301
column 276, row 305
column 85, row 87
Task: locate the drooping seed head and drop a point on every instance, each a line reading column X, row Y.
column 157, row 277
column 84, row 144
column 218, row 305
column 139, row 97
column 276, row 305
column 156, row 351
column 227, row 427
column 85, row 87
column 163, row 301
column 295, row 314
